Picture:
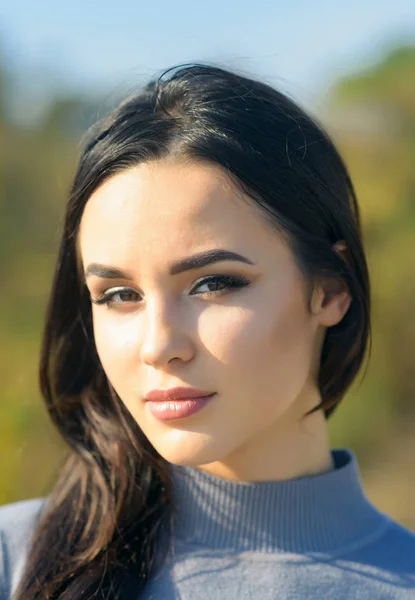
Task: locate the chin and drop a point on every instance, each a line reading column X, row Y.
column 189, row 450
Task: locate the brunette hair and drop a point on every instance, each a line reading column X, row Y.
column 102, row 524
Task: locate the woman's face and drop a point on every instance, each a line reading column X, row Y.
column 254, row 344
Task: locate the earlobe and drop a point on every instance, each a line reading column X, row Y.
column 335, row 305
column 332, row 301
column 336, row 298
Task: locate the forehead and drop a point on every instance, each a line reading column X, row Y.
column 167, row 210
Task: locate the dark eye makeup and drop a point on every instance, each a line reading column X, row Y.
column 222, row 284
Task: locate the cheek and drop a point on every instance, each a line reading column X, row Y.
column 221, row 332
column 263, row 349
column 252, row 334
column 116, row 343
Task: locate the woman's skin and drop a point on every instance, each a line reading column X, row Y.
column 255, row 346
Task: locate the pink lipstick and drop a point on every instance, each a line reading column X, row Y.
column 177, row 403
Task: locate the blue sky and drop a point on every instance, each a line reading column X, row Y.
column 301, row 45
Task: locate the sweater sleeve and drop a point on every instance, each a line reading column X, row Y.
column 17, row 525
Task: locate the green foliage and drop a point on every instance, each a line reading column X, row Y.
column 375, row 130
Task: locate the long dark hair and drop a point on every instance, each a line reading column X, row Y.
column 103, row 522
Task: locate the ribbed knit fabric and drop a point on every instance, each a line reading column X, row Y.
column 310, row 514
column 311, row 538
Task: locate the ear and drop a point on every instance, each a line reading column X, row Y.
column 332, row 298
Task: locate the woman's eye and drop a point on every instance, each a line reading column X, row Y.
column 117, row 296
column 214, row 284
column 219, row 284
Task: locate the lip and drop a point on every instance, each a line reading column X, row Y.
column 176, row 393
column 177, row 409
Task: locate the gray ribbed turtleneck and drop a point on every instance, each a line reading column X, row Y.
column 311, row 538
column 308, row 514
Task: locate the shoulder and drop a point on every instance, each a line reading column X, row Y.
column 382, row 565
column 398, row 543
column 18, row 520
column 17, row 524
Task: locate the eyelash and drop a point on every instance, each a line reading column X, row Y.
column 232, row 283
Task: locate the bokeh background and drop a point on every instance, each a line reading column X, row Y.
column 352, row 65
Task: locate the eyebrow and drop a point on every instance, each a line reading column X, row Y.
column 197, row 261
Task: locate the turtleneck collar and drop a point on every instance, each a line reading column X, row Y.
column 316, row 513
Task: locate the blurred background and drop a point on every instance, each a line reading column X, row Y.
column 352, row 65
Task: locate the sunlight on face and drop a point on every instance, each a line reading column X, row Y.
column 253, row 343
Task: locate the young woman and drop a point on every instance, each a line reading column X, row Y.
column 209, row 311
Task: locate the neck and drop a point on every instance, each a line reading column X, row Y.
column 295, row 446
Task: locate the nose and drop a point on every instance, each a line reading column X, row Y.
column 165, row 338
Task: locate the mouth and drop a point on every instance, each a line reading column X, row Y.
column 176, row 394
column 168, row 410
